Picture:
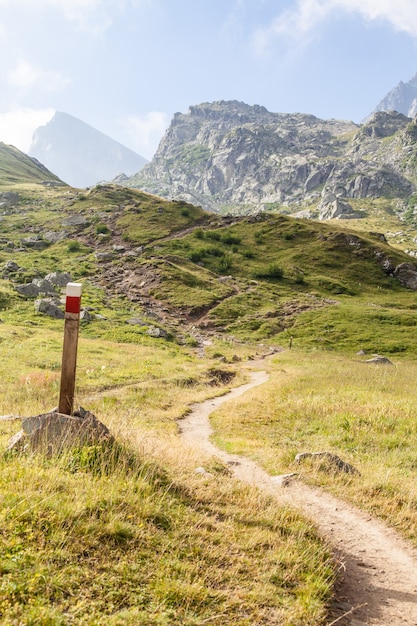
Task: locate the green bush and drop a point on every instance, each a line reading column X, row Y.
column 102, row 229
column 231, row 239
column 199, row 233
column 225, row 263
column 213, row 234
column 271, row 271
column 74, row 246
column 195, row 256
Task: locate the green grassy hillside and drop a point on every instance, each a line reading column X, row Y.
column 262, row 279
column 138, row 537
column 17, row 167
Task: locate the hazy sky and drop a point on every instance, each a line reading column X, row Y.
column 126, row 66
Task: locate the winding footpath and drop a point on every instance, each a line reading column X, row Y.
column 378, row 582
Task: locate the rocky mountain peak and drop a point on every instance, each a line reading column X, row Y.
column 403, row 98
column 233, row 157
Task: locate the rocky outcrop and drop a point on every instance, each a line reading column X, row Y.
column 406, row 274
column 335, row 208
column 232, row 157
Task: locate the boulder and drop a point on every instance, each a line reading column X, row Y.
column 379, row 360
column 8, row 199
column 59, row 279
column 406, row 274
column 49, row 306
column 11, row 266
column 159, row 333
column 104, row 257
column 86, row 316
column 53, row 432
column 36, row 242
column 337, row 209
column 75, row 220
column 331, row 460
column 136, row 321
column 44, row 286
column 29, row 290
column 53, row 237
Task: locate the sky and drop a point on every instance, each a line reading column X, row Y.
column 126, row 66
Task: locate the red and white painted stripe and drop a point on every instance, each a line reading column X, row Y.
column 73, row 298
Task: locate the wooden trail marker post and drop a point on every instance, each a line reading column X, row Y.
column 69, row 351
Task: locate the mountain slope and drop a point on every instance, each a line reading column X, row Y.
column 195, row 274
column 17, row 167
column 232, row 157
column 80, row 154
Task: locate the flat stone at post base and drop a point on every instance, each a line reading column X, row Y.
column 55, row 432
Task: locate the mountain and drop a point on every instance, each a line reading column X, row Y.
column 80, row 154
column 403, row 98
column 230, row 157
column 17, row 167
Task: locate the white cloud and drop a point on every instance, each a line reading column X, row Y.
column 143, row 132
column 17, row 126
column 27, row 76
column 301, row 22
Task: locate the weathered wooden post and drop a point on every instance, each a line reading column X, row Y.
column 69, row 351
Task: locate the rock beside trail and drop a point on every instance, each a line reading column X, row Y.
column 332, row 459
column 379, row 360
column 53, row 432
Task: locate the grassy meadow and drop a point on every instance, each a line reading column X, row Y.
column 318, row 401
column 133, row 535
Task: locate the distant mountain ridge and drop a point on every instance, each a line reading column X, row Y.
column 81, row 155
column 229, row 156
column 403, row 99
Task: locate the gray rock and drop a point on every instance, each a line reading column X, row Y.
column 8, row 199
column 11, row 266
column 49, row 307
column 331, row 458
column 54, row 237
column 60, row 279
column 337, row 209
column 379, row 360
column 406, row 274
column 202, row 471
column 75, row 220
column 29, row 290
column 52, row 433
column 104, row 257
column 86, row 316
column 283, row 480
column 44, row 286
column 36, row 242
column 136, row 321
column 156, row 332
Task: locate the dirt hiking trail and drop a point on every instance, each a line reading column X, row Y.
column 378, row 570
